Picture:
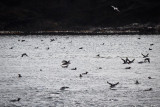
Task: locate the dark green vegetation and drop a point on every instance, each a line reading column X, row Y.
column 35, row 15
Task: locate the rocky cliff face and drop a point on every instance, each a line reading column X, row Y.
column 59, row 14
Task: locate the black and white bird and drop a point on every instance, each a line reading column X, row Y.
column 115, row 8
column 63, row 88
column 19, row 75
column 128, row 68
column 137, row 82
column 74, row 68
column 85, row 73
column 112, row 85
column 24, row 54
column 129, row 62
column 144, row 56
column 65, row 63
column 15, row 100
column 150, row 89
column 147, row 59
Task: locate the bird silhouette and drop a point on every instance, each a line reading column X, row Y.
column 64, row 62
column 112, row 85
column 15, row 100
column 19, row 75
column 144, row 56
column 74, row 68
column 124, row 61
column 147, row 59
column 24, row 54
column 80, row 76
column 115, row 8
column 63, row 88
column 85, row 73
column 128, row 68
column 151, row 44
column 51, row 40
column 129, row 62
column 137, row 82
column 150, row 89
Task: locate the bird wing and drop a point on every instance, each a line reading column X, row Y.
column 109, row 83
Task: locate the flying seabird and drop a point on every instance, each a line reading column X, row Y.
column 115, row 8
column 129, row 62
column 144, row 56
column 124, row 61
column 151, row 44
column 15, row 100
column 24, row 54
column 112, row 85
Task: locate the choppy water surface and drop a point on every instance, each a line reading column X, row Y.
column 43, row 76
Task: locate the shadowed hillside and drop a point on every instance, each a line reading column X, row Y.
column 66, row 14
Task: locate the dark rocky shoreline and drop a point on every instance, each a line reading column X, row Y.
column 132, row 29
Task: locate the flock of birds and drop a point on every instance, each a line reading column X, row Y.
column 65, row 64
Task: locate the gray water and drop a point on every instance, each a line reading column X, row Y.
column 43, row 76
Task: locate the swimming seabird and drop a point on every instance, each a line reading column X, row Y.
column 22, row 40
column 141, row 62
column 63, row 88
column 11, row 48
column 36, row 47
column 19, row 75
column 115, row 8
column 100, row 68
column 150, row 78
column 128, row 68
column 15, row 100
column 144, row 56
column 24, row 54
column 151, row 44
column 150, row 89
column 98, row 55
column 51, row 40
column 64, row 62
column 81, row 48
column 47, row 48
column 112, row 85
column 74, row 68
column 80, row 75
column 150, row 49
column 137, row 82
column 84, row 73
